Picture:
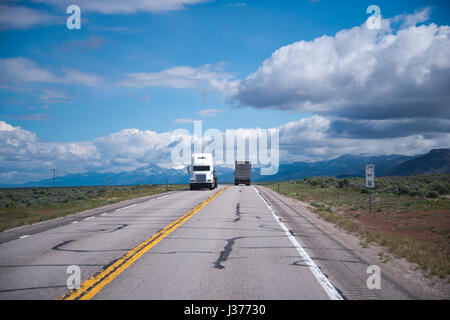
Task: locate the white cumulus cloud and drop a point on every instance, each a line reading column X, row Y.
column 24, row 157
column 20, row 17
column 125, row 7
column 394, row 72
column 21, row 70
column 179, row 77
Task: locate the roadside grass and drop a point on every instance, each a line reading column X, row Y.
column 30, row 205
column 410, row 217
column 430, row 256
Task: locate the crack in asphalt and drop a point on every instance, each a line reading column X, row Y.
column 59, row 245
column 178, row 252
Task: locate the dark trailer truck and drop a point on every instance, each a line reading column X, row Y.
column 242, row 172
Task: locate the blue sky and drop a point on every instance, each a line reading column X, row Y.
column 151, row 67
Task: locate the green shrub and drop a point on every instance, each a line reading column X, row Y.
column 432, row 194
column 8, row 204
column 343, row 183
column 439, row 188
column 403, row 190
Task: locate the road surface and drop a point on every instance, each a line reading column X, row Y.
column 235, row 242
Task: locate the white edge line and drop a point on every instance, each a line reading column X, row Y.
column 318, row 274
column 127, row 207
column 159, row 197
column 89, row 218
column 25, row 236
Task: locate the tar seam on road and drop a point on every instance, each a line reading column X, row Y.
column 225, row 253
column 330, row 290
column 94, row 284
column 238, row 212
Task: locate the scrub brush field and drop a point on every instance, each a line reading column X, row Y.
column 30, row 205
column 410, row 215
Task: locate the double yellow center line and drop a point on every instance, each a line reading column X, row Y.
column 94, row 284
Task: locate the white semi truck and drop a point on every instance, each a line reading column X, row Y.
column 202, row 172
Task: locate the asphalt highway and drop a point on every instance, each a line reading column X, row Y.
column 235, row 242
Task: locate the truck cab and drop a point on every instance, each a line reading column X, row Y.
column 202, row 172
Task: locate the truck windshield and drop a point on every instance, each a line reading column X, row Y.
column 200, row 168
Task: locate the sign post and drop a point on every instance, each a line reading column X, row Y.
column 370, row 182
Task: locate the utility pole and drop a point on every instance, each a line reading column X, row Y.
column 54, row 176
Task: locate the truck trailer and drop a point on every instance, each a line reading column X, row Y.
column 242, row 172
column 202, row 172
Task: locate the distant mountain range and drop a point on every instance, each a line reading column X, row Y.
column 436, row 161
column 343, row 166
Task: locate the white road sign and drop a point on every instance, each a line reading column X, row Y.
column 370, row 175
